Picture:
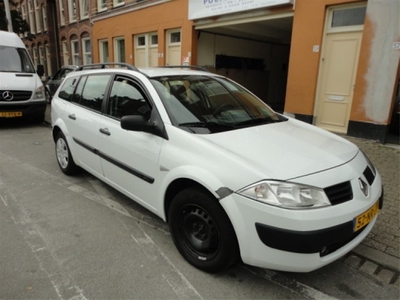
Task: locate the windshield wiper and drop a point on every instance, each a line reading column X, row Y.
column 257, row 121
column 204, row 124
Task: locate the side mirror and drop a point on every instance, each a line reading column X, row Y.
column 140, row 123
column 40, row 70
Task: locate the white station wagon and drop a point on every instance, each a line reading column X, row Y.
column 233, row 179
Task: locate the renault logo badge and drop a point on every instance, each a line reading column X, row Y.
column 363, row 186
column 8, row 96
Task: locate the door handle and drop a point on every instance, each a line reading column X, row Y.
column 72, row 116
column 105, row 131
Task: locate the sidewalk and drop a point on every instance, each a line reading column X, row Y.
column 382, row 245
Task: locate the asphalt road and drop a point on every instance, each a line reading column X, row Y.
column 76, row 238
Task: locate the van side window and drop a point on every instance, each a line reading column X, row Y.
column 127, row 98
column 67, row 89
column 94, row 91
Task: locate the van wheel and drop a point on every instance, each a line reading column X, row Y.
column 202, row 231
column 64, row 157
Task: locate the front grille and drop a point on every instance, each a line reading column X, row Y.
column 369, row 175
column 17, row 95
column 339, row 193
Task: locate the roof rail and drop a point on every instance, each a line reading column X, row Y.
column 187, row 67
column 105, row 65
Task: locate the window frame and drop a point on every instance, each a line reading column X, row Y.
column 102, row 5
column 86, row 55
column 103, row 44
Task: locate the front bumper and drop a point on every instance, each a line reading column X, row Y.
column 303, row 240
column 27, row 108
column 323, row 241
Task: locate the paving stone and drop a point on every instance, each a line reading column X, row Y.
column 369, row 267
column 384, row 276
column 353, row 261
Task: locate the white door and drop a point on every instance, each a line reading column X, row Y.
column 338, row 74
column 338, row 66
column 174, row 48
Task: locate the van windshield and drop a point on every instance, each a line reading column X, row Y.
column 15, row 60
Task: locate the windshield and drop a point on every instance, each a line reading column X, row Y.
column 15, row 60
column 203, row 104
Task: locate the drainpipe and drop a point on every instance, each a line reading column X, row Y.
column 8, row 15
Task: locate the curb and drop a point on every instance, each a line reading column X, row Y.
column 378, row 257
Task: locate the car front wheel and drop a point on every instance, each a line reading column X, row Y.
column 202, row 231
column 64, row 157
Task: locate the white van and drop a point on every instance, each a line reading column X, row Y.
column 22, row 93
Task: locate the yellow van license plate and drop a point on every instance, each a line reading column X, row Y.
column 12, row 114
column 366, row 217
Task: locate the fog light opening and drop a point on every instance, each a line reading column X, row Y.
column 324, row 250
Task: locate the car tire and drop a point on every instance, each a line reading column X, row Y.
column 64, row 157
column 202, row 231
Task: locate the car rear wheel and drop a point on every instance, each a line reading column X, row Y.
column 64, row 157
column 202, row 231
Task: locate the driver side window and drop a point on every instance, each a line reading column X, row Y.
column 127, row 98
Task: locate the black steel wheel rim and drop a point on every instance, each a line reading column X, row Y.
column 198, row 232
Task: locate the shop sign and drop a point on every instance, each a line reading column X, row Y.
column 208, row 8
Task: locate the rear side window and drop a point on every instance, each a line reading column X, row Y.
column 67, row 89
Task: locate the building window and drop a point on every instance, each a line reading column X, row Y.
column 31, row 17
column 35, row 55
column 118, row 2
column 153, row 40
column 84, row 8
column 72, row 10
column 44, row 17
column 348, row 17
column 101, row 5
column 48, row 60
column 38, row 18
column 65, row 52
column 75, row 52
column 62, row 12
column 87, row 51
column 103, row 47
column 141, row 41
column 41, row 58
column 175, row 37
column 119, row 50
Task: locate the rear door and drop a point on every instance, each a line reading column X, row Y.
column 83, row 118
column 130, row 159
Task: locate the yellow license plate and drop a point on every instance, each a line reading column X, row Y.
column 366, row 217
column 11, row 114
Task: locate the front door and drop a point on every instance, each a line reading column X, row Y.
column 338, row 74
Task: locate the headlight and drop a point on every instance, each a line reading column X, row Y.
column 286, row 194
column 39, row 93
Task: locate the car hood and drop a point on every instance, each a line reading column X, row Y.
column 285, row 150
column 17, row 81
